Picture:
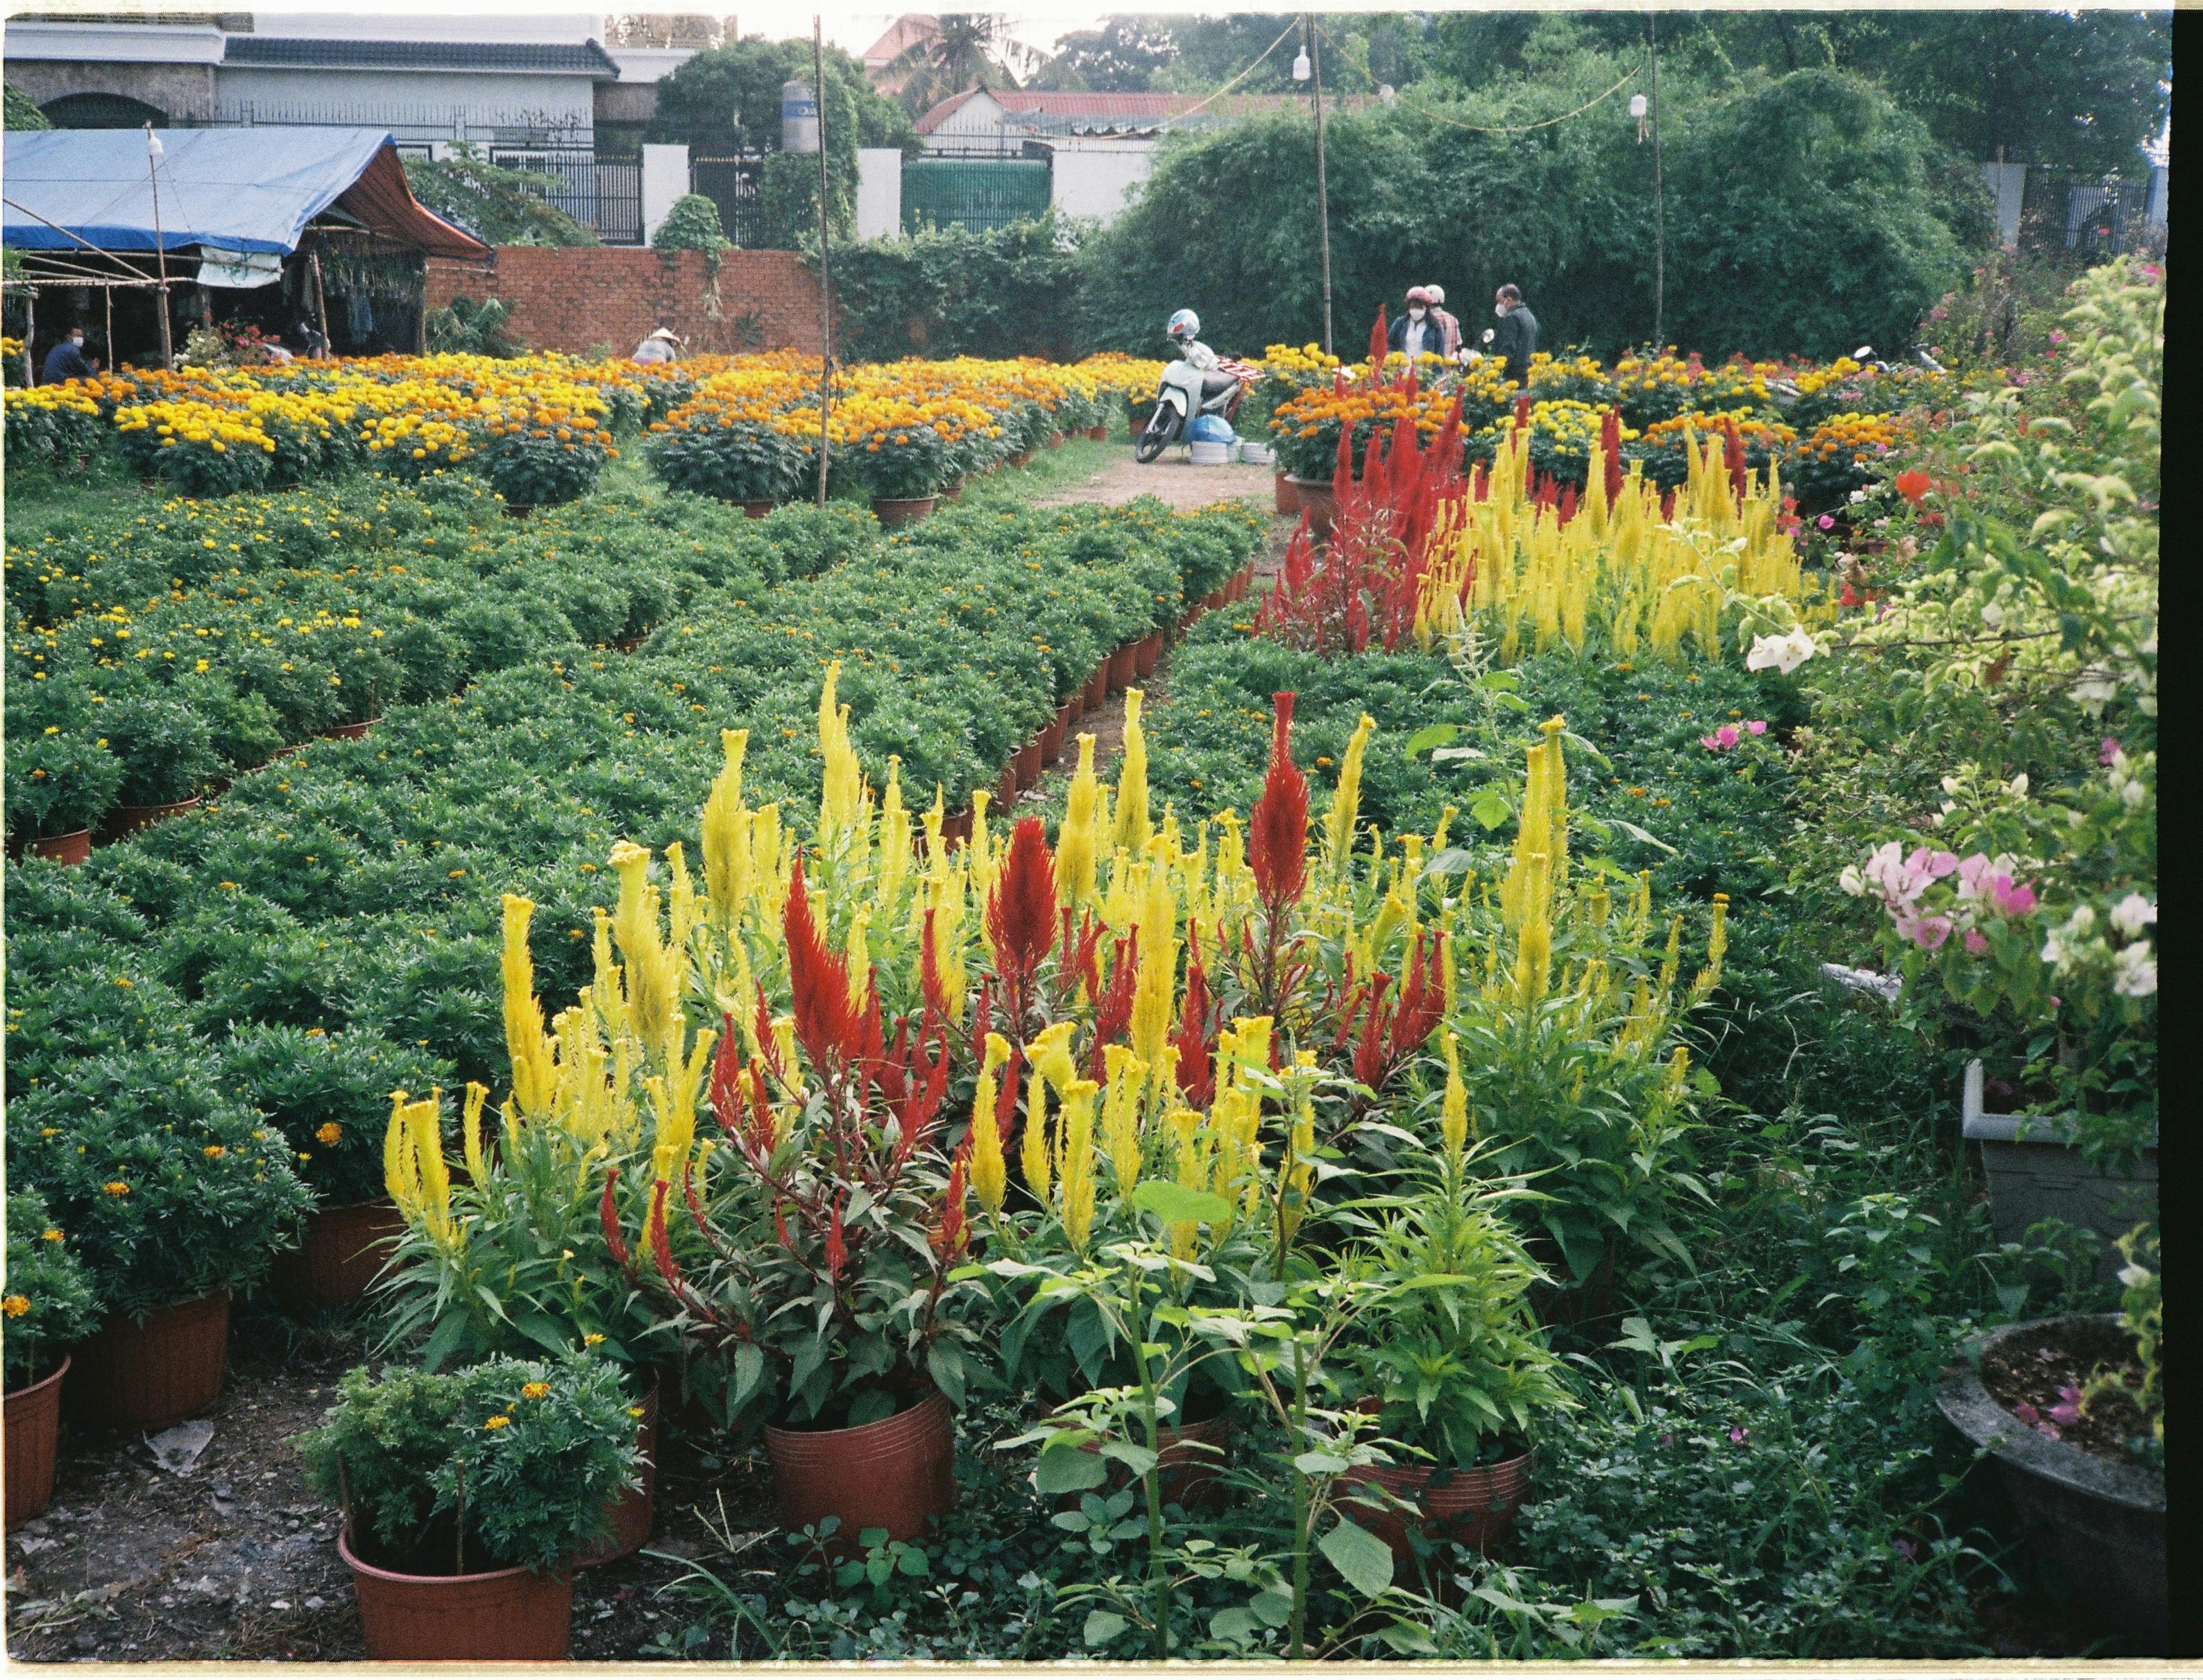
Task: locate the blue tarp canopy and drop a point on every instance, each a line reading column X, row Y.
column 241, row 189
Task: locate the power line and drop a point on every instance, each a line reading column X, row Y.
column 1481, row 129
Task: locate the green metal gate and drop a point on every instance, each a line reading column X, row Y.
column 975, row 193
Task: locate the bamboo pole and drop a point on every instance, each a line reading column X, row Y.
column 160, row 250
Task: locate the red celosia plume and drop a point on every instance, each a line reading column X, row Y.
column 1277, row 838
column 819, row 977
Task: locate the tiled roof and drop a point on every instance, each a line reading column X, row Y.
column 547, row 58
column 905, row 32
column 1059, row 112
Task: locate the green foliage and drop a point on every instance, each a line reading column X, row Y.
column 693, row 224
column 725, row 102
column 49, row 1304
column 732, row 462
column 507, row 1463
column 465, row 327
column 23, row 112
column 788, row 194
column 59, row 782
column 328, row 1093
column 945, row 292
column 163, row 745
column 498, row 206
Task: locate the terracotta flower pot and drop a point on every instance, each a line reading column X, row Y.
column 758, row 507
column 1190, row 1475
column 1475, row 1506
column 1074, row 709
column 1098, row 433
column 1217, row 597
column 1123, row 667
column 518, row 510
column 956, row 830
column 1147, row 652
column 633, row 1509
column 501, row 1615
column 1097, row 692
column 127, row 820
column 1288, row 494
column 891, row 1475
column 351, row 731
column 1027, row 763
column 1022, row 458
column 954, row 492
column 151, row 1375
column 893, row 511
column 343, row 1249
column 1055, row 439
column 1051, row 739
column 1317, row 501
column 74, row 848
column 33, row 1437
column 1006, row 788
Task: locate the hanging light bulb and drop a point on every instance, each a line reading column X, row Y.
column 1638, row 107
column 1301, row 70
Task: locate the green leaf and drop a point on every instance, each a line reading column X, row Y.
column 1069, row 1469
column 1274, row 1608
column 1103, row 1626
column 1491, row 808
column 1409, row 1640
column 1174, row 1204
column 1636, row 833
column 1137, row 1459
column 1429, row 735
column 1319, row 1463
column 944, row 1364
column 1365, row 1561
column 1238, row 1623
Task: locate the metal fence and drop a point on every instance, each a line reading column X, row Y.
column 736, row 186
column 974, row 193
column 604, row 196
column 2096, row 217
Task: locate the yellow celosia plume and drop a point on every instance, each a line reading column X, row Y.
column 534, row 1074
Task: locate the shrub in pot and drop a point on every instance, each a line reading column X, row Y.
column 896, row 456
column 734, row 459
column 164, row 745
column 48, row 1307
column 60, row 784
column 329, row 1094
column 176, row 1194
column 464, row 1495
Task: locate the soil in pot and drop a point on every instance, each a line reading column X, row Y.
column 501, row 1615
column 74, row 847
column 342, row 1250
column 891, row 1475
column 33, row 1425
column 2029, row 1375
column 151, row 1375
column 632, row 1510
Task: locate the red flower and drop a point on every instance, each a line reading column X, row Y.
column 1021, row 915
column 1277, row 839
column 608, row 1216
column 1912, row 484
column 819, row 977
column 1195, row 1078
column 1733, row 445
column 1609, row 444
column 948, row 1236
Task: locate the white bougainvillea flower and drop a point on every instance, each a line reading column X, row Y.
column 1784, row 652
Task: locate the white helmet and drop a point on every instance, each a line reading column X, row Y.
column 1436, row 294
column 1185, row 325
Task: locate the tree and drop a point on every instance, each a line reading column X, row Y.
column 498, row 206
column 1122, row 57
column 726, row 102
column 23, row 111
column 967, row 50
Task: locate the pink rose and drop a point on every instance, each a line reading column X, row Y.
column 1827, row 522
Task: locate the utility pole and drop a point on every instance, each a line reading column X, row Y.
column 1322, row 193
column 160, row 250
column 1659, row 206
column 825, row 279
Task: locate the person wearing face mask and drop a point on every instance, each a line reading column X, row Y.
column 1415, row 333
column 67, row 360
column 1449, row 325
column 1516, row 338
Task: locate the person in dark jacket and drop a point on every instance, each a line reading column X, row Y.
column 1416, row 332
column 67, row 361
column 1514, row 339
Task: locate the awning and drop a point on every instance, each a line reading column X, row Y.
column 243, row 189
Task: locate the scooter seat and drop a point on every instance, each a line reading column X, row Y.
column 1215, row 384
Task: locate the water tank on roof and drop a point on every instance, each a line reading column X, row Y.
column 799, row 117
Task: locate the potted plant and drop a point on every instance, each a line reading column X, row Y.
column 329, row 1094
column 167, row 753
column 174, row 1195
column 48, row 1306
column 2072, row 1410
column 735, row 458
column 60, row 786
column 1454, row 1371
column 465, row 1494
column 902, row 461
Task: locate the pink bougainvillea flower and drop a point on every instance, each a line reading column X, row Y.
column 1929, row 932
column 2067, row 1413
column 1827, row 522
column 1738, row 1435
column 1975, row 944
column 2011, row 899
column 2026, row 1413
column 1757, row 726
column 2109, row 752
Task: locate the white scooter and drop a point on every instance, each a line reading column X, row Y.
column 1187, row 392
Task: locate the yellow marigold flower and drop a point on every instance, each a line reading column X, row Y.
column 116, row 1187
column 499, row 1422
column 214, row 1151
column 51, row 1233
column 592, row 1339
column 533, row 1391
column 329, row 1135
column 15, row 1305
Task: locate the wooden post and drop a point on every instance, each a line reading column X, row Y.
column 31, row 336
column 160, row 250
column 1322, row 193
column 107, row 297
column 825, row 238
column 320, row 304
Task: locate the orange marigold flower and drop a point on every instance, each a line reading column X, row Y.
column 499, row 1422
column 116, row 1187
column 329, row 1135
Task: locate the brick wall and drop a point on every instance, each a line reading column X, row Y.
column 576, row 299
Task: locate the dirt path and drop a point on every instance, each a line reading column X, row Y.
column 1172, row 478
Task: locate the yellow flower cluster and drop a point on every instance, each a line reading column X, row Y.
column 1855, row 437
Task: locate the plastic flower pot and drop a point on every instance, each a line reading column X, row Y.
column 500, row 1615
column 1316, row 499
column 338, row 1256
column 1027, row 763
column 758, row 507
column 1074, row 708
column 1023, row 457
column 1287, row 498
column 1098, row 433
column 351, row 731
column 1096, row 692
column 72, row 848
column 2101, row 1522
column 1474, row 1507
column 2034, row 1172
column 1147, row 652
column 957, row 830
column 151, row 1375
column 1055, row 439
column 893, row 511
column 891, row 1475
column 1123, row 667
column 127, row 820
column 632, row 1510
column 1051, row 739
column 1006, row 788
column 954, row 492
column 33, row 1438
column 1190, row 1475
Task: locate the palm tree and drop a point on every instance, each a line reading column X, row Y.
column 967, row 50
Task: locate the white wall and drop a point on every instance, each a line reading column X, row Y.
column 879, row 192
column 1096, row 178
column 2006, row 183
column 664, row 178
